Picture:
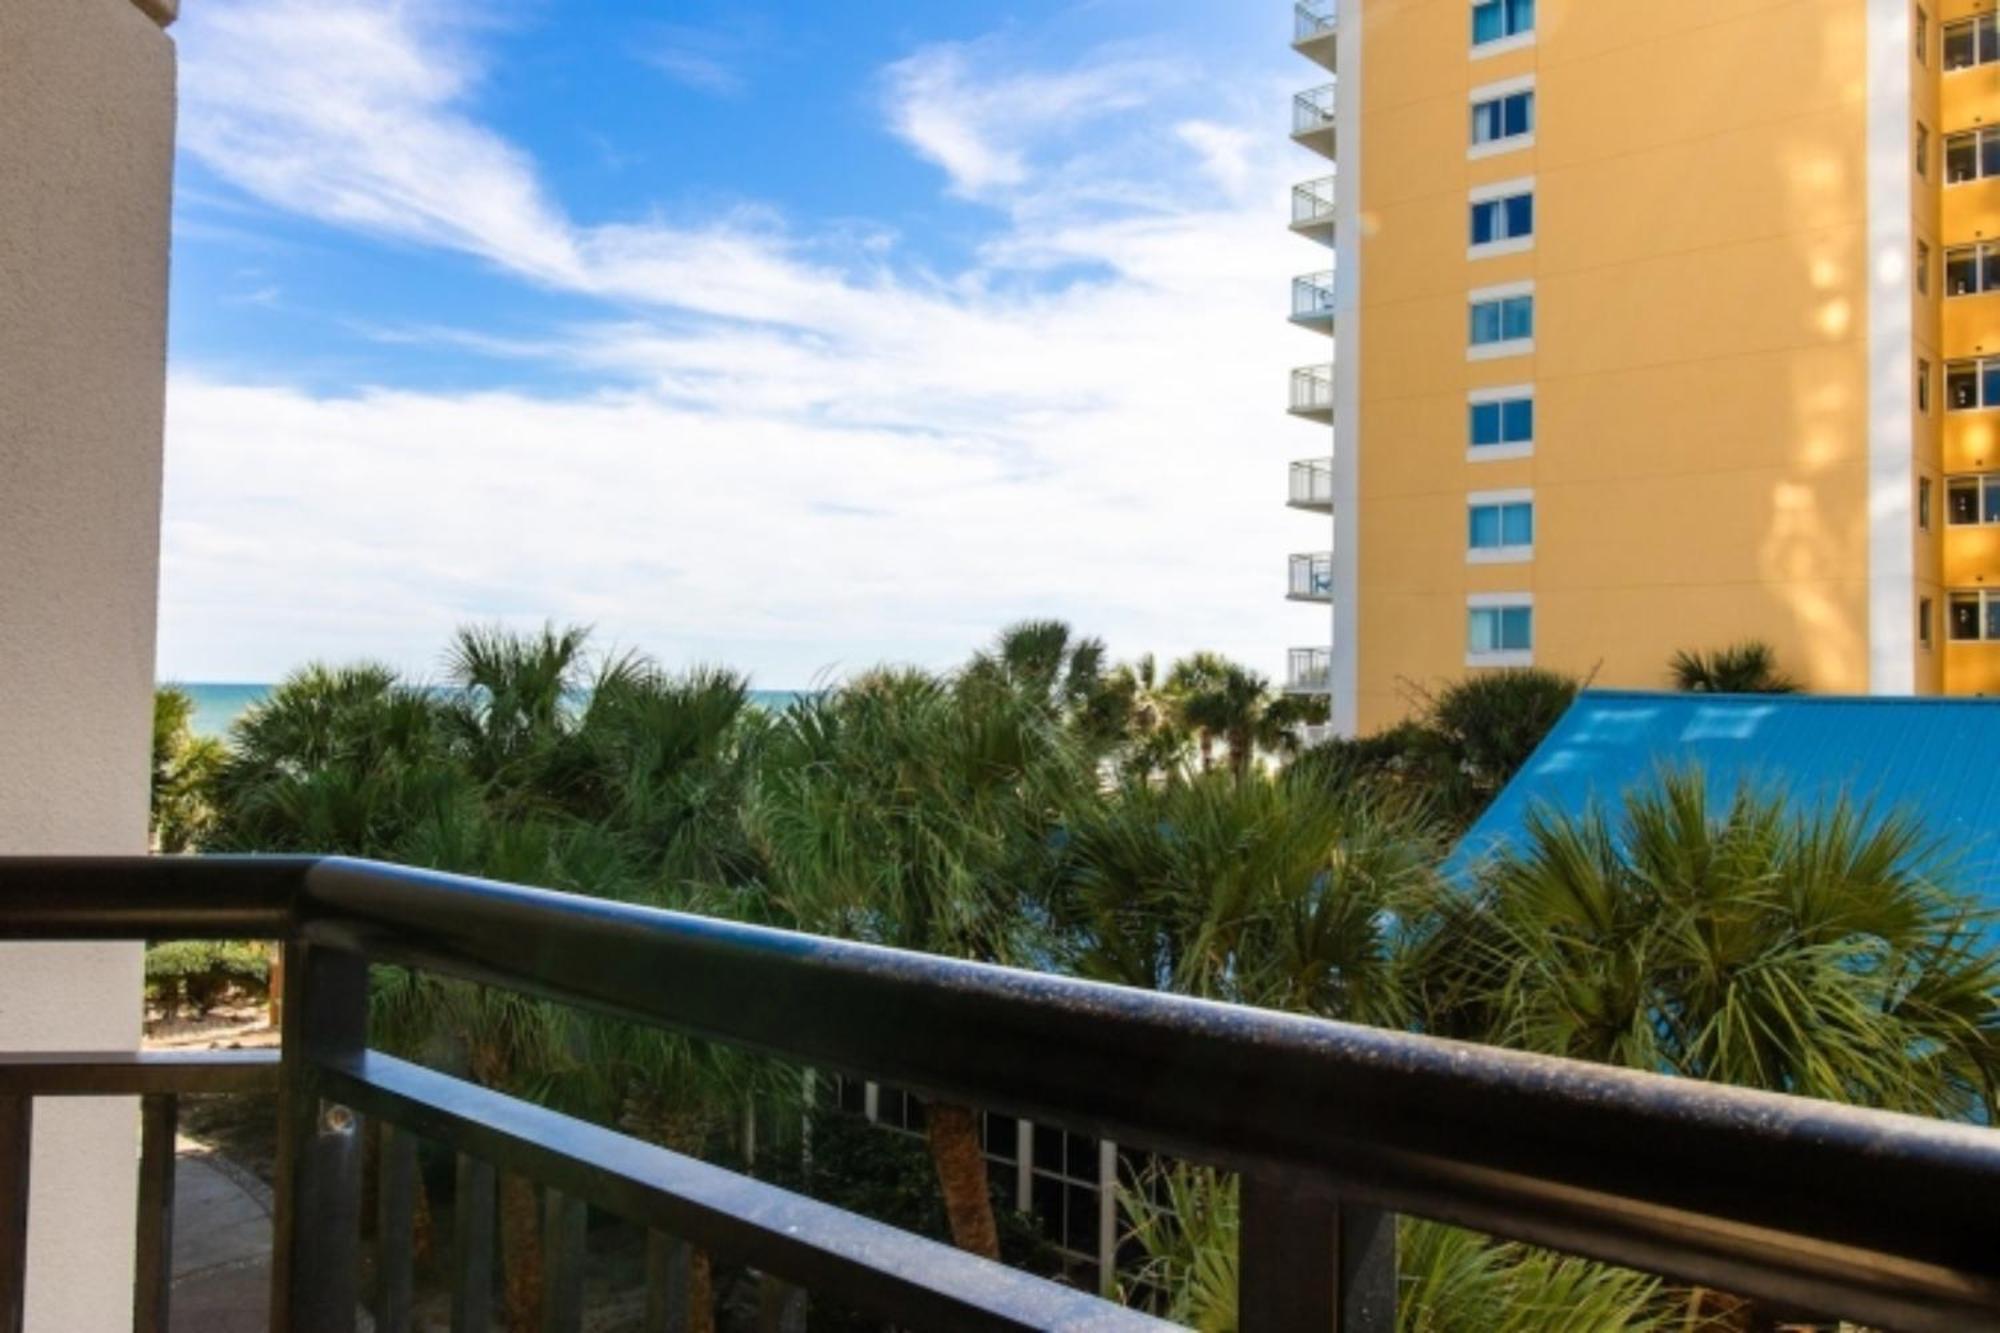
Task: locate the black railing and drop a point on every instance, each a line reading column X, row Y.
column 1808, row 1207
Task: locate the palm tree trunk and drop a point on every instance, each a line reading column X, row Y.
column 953, row 1132
column 520, row 1254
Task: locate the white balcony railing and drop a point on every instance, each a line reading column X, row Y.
column 1313, row 111
column 1310, row 671
column 1313, row 202
column 1312, row 296
column 1312, row 577
column 1314, row 18
column 1312, row 391
column 1312, row 484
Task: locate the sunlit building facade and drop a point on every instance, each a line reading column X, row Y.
column 1659, row 327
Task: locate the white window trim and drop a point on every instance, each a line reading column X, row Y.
column 1513, row 245
column 1500, row 291
column 1501, row 350
column 1500, row 601
column 1487, row 92
column 1499, row 555
column 1500, row 453
column 1500, row 46
column 1507, row 189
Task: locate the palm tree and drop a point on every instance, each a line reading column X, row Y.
column 1812, row 951
column 1152, row 743
column 1273, row 892
column 1221, row 700
column 1750, row 667
column 184, row 770
column 906, row 812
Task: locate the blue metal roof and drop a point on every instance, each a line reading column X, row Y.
column 1938, row 757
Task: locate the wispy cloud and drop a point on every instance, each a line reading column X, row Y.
column 982, row 128
column 709, row 60
column 796, row 457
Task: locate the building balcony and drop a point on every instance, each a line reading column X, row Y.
column 1313, row 120
column 1819, row 1212
column 1312, row 485
column 1312, row 302
column 1309, row 671
column 1315, row 31
column 1312, row 393
column 1313, row 209
column 1311, row 577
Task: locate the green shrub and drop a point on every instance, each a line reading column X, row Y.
column 199, row 974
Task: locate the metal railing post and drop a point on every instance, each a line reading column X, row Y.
column 316, row 1249
column 1310, row 1262
column 17, row 1135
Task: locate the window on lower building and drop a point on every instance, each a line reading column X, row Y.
column 1501, row 118
column 1975, row 617
column 1509, row 218
column 1972, row 386
column 1971, row 155
column 1920, row 150
column 1501, row 525
column 1924, row 631
column 1504, row 421
column 1921, row 37
column 1924, row 503
column 1494, row 630
column 1973, row 41
column 1496, row 20
column 1923, row 386
column 1972, row 501
column 1506, row 319
column 1923, row 268
column 1970, row 270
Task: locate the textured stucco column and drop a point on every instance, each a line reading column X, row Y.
column 86, row 158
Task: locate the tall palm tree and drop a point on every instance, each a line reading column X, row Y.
column 1221, row 700
column 906, row 812
column 1750, row 667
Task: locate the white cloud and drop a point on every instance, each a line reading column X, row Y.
column 980, row 128
column 799, row 461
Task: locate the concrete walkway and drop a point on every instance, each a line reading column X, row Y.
column 222, row 1246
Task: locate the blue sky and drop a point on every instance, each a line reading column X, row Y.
column 795, row 337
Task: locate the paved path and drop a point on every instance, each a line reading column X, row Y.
column 222, row 1246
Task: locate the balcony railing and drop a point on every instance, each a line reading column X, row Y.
column 1314, row 18
column 1310, row 671
column 1313, row 298
column 1313, row 112
column 1815, row 1209
column 1312, row 484
column 1313, row 203
column 1311, row 577
column 1312, row 392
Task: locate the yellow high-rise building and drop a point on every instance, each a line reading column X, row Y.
column 1658, row 327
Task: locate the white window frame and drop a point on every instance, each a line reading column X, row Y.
column 1987, row 599
column 1977, row 134
column 1981, row 482
column 1980, row 252
column 1518, row 41
column 1494, row 351
column 1945, row 31
column 1499, row 555
column 1500, row 601
column 1495, row 453
column 1493, row 92
column 1978, row 364
column 1495, row 193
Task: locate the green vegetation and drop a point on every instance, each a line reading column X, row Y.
column 196, row 975
column 1148, row 826
column 1750, row 667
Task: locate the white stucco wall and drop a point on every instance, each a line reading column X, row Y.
column 86, row 141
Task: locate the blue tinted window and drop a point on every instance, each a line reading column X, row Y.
column 1492, row 527
column 1489, row 422
column 1508, row 629
column 1494, row 19
column 1503, row 219
column 1521, row 215
column 1518, row 421
column 1485, row 534
column 1517, row 525
column 1503, row 118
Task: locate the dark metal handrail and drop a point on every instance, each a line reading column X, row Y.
column 1881, row 1218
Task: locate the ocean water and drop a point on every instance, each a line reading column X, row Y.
column 218, row 704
